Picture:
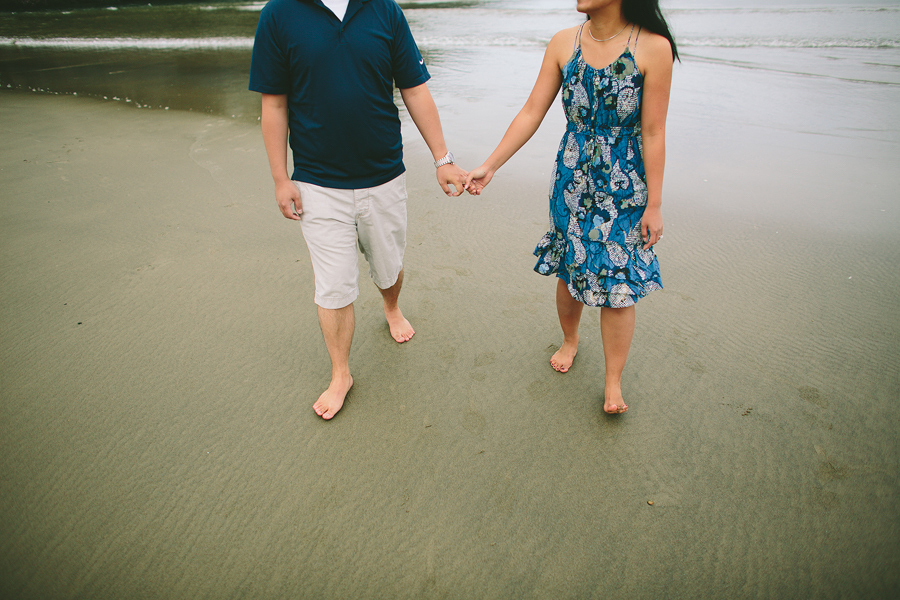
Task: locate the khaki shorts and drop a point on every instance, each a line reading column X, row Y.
column 335, row 222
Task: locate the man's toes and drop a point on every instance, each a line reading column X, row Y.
column 402, row 336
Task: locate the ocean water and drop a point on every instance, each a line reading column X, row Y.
column 195, row 56
column 807, row 82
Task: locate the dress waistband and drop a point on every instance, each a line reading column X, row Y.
column 613, row 132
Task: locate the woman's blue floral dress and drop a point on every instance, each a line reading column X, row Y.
column 598, row 190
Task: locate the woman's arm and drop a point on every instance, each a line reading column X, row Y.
column 655, row 56
column 532, row 114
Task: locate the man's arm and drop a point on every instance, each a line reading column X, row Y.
column 274, row 122
column 425, row 115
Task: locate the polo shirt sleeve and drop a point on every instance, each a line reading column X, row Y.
column 269, row 67
column 407, row 63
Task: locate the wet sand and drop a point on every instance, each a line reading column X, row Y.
column 160, row 355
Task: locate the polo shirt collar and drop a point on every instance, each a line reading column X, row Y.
column 320, row 3
column 352, row 7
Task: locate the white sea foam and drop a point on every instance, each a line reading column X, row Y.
column 787, row 43
column 252, row 6
column 212, row 43
column 470, row 41
column 225, row 43
column 783, row 10
column 245, row 43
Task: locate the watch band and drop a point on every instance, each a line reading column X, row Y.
column 446, row 160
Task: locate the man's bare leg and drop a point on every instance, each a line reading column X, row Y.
column 337, row 329
column 401, row 330
column 569, row 310
column 616, row 329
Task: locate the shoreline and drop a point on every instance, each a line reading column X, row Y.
column 161, row 356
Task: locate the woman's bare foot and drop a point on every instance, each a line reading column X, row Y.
column 563, row 358
column 332, row 399
column 614, row 403
column 401, row 330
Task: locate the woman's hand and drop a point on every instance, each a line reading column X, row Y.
column 478, row 179
column 651, row 226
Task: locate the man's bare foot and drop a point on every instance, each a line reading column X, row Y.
column 332, row 399
column 563, row 358
column 614, row 403
column 401, row 330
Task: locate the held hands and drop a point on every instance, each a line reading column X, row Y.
column 451, row 174
column 651, row 226
column 478, row 179
column 288, row 198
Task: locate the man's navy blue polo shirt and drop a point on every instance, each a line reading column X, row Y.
column 339, row 79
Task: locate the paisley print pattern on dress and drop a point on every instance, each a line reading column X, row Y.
column 598, row 190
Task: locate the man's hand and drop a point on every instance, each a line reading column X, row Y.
column 450, row 174
column 288, row 198
column 274, row 120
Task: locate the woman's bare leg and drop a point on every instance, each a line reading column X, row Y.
column 569, row 311
column 617, row 330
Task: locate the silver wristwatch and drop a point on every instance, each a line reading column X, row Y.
column 447, row 160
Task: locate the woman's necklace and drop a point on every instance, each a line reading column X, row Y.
column 606, row 39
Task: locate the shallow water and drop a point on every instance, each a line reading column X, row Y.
column 809, row 87
column 195, row 56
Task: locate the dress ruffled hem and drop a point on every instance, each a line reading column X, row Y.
column 617, row 276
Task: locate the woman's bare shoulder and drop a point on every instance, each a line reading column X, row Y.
column 567, row 35
column 653, row 47
column 563, row 44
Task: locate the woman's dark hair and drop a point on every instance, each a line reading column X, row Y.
column 647, row 14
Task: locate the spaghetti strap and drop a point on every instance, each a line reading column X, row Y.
column 636, row 39
column 578, row 37
column 628, row 43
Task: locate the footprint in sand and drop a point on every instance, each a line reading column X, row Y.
column 811, row 394
column 473, row 421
